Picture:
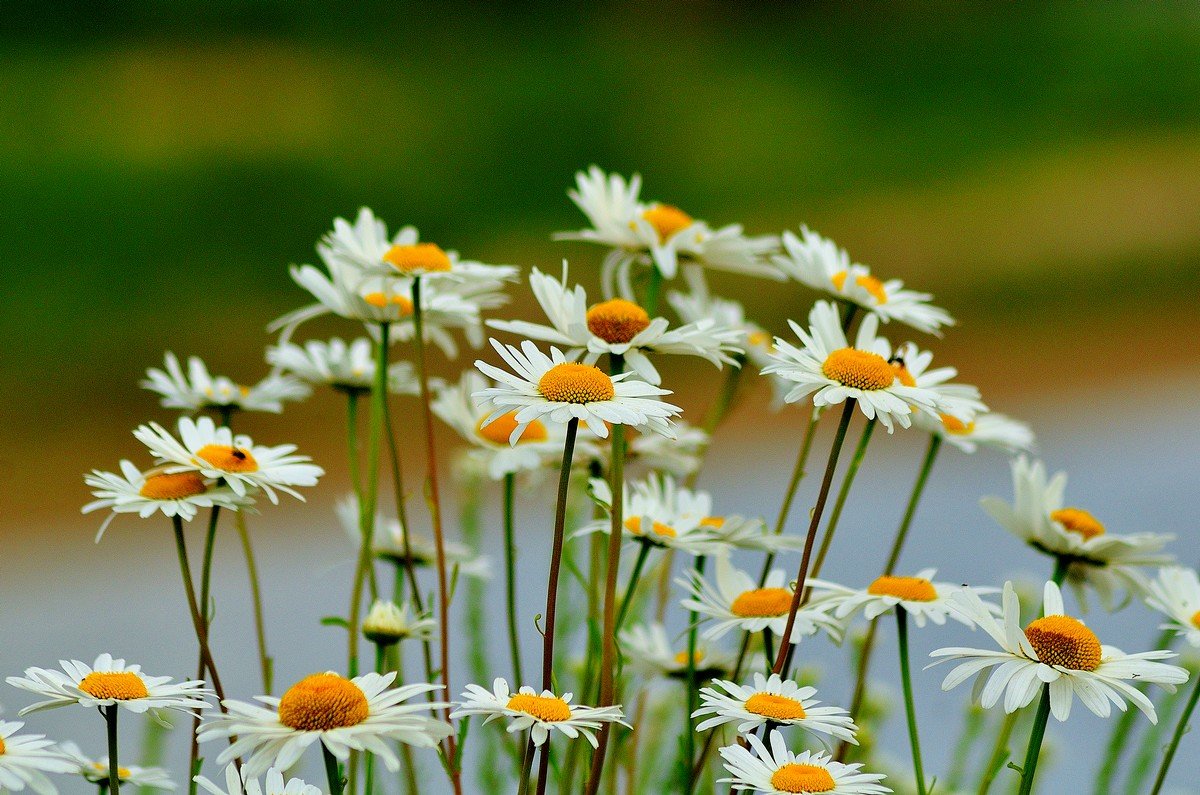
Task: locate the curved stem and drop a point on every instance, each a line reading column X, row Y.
column 510, row 578
column 265, row 662
column 332, row 774
column 526, row 768
column 198, row 623
column 205, row 576
column 114, row 776
column 689, row 683
column 910, row 709
column 1029, row 770
column 638, row 564
column 1180, row 730
column 835, row 515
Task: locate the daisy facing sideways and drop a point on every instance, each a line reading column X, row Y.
column 772, row 700
column 988, row 429
column 554, row 388
column 778, row 771
column 1057, row 650
column 648, row 650
column 343, row 715
column 108, row 682
column 657, row 512
column 235, row 784
column 346, row 367
column 921, row 598
column 95, row 771
column 1175, row 593
column 541, row 714
column 24, row 758
column 828, row 368
column 197, row 389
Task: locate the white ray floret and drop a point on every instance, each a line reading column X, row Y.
column 659, row 512
column 647, row 649
column 540, row 713
column 26, row 758
column 778, row 771
column 197, row 389
column 96, row 771
column 989, row 429
column 107, row 682
column 348, row 367
column 1175, row 593
column 921, row 597
column 274, row 784
column 772, row 700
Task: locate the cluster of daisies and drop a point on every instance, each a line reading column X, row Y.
column 663, row 586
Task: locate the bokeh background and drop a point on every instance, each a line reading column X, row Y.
column 1037, row 168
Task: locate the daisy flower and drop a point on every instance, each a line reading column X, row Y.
column 344, row 715
column 988, row 429
column 617, row 327
column 347, row 367
column 736, row 602
column 1176, row 594
column 389, row 543
column 778, row 771
column 657, row 234
column 742, row 533
column 1057, row 650
column 647, row 649
column 197, row 389
column 1105, row 561
column 828, row 368
column 552, row 387
column 954, row 402
column 541, row 714
column 539, row 444
column 921, row 597
column 658, row 512
column 108, row 682
column 24, row 758
column 217, row 453
column 824, row 266
column 772, row 700
column 275, row 784
column 179, row 494
column 95, row 771
column 388, row 623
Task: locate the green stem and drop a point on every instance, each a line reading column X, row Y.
column 352, row 442
column 653, row 291
column 260, row 626
column 1061, row 565
column 839, row 504
column 999, row 755
column 198, row 623
column 689, row 736
column 910, row 709
column 1180, row 729
column 510, row 578
column 638, row 564
column 332, row 774
column 526, row 768
column 114, row 777
column 973, row 726
column 369, row 764
column 1029, row 770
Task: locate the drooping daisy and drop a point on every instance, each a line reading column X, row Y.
column 988, row 429
column 921, row 597
column 736, row 602
column 389, row 543
column 822, row 265
column 1175, row 593
column 647, row 649
column 344, row 715
column 179, row 494
column 197, row 389
column 388, row 623
column 656, row 511
column 1104, row 561
column 217, row 453
column 829, row 369
column 772, row 700
column 778, row 771
column 1058, row 650
column 108, row 682
column 539, row 444
column 275, row 784
column 25, row 757
column 619, row 327
column 540, row 713
column 551, row 387
column 95, row 771
column 349, row 368
column 657, row 234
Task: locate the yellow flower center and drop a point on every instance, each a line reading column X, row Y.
column 228, row 459
column 762, row 603
column 381, row 301
column 634, row 525
column 859, row 369
column 667, row 220
column 775, row 706
column 956, row 426
column 910, row 589
column 545, row 708
column 571, row 382
column 761, row 339
column 2, row 747
column 1196, row 619
column 902, row 373
column 682, row 658
column 175, row 486
column 802, row 778
column 418, row 258
column 713, row 522
column 1065, row 641
column 499, row 429
column 322, row 702
column 617, row 321
column 1077, row 520
column 867, row 282
column 119, row 685
column 122, row 772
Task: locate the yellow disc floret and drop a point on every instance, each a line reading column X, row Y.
column 910, row 589
column 956, row 426
column 418, row 258
column 802, row 778
column 173, row 486
column 117, row 685
column 617, row 321
column 667, row 220
column 3, row 749
column 1196, row 619
column 681, row 658
column 865, row 281
column 381, row 301
column 1077, row 520
column 762, row 603
column 322, row 702
column 1065, row 641
column 571, row 382
column 902, row 373
column 228, row 459
column 498, row 430
column 775, row 707
column 634, row 525
column 859, row 369
column 545, row 708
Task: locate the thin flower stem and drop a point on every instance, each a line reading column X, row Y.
column 999, row 755
column 1180, row 729
column 1029, row 770
column 510, row 577
column 638, row 564
column 369, row 764
column 265, row 663
column 205, row 576
column 198, row 623
column 653, row 291
column 973, row 725
column 114, row 777
column 910, row 709
column 689, row 735
column 332, row 774
column 352, row 441
column 526, row 767
column 835, row 515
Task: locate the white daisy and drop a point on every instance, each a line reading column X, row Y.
column 540, row 713
column 24, row 758
column 108, row 682
column 1105, row 561
column 957, row 401
column 618, row 326
column 772, row 700
column 989, row 429
column 822, row 265
column 551, row 387
column 737, row 602
column 350, row 368
column 344, row 715
column 656, row 511
column 1058, row 650
column 197, row 389
column 778, row 771
column 388, row 623
column 95, row 771
column 275, row 784
column 921, row 597
column 647, row 649
column 657, row 234
column 217, row 453
column 541, row 443
column 389, row 543
column 1176, row 594
column 179, row 494
column 828, row 366
column 743, row 533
